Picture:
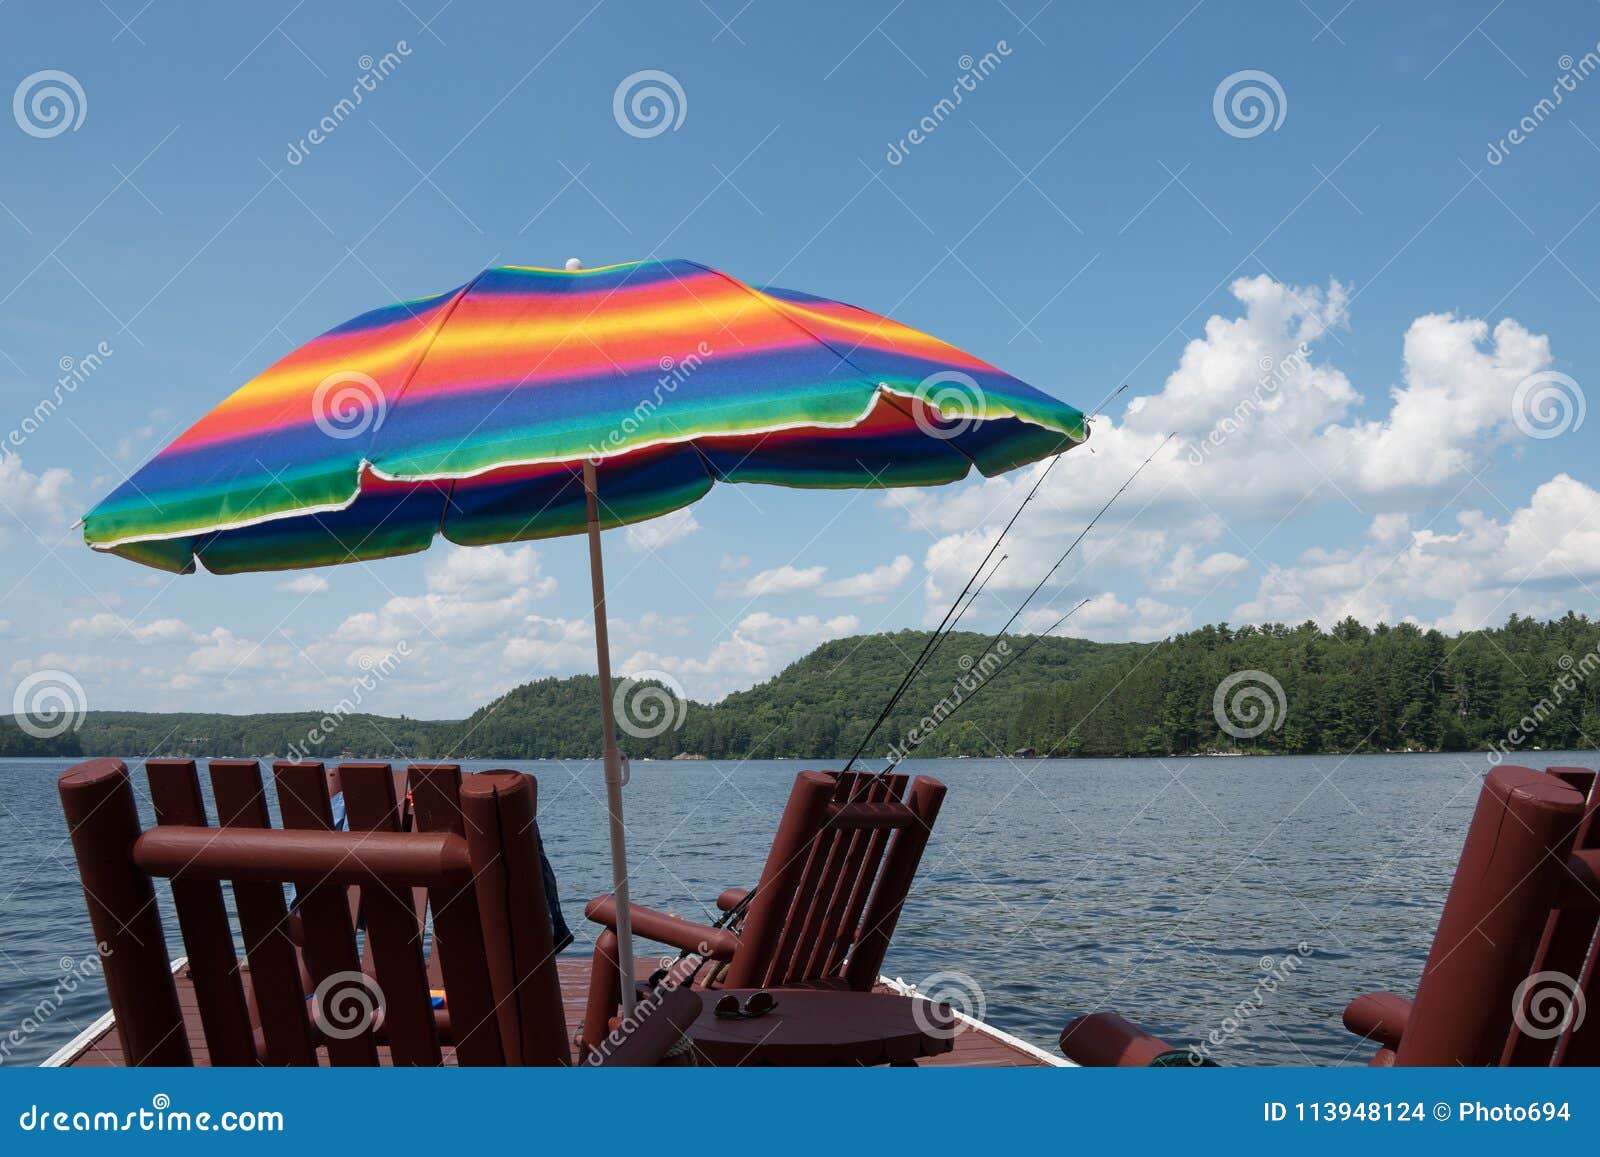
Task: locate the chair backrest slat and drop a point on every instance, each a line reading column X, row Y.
column 850, row 898
column 394, row 932
column 328, row 942
column 843, row 860
column 435, row 792
column 820, row 887
column 269, row 948
column 499, row 810
column 203, row 920
column 900, row 862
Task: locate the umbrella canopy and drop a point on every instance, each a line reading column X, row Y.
column 537, row 402
column 467, row 414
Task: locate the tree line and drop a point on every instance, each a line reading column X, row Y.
column 1261, row 689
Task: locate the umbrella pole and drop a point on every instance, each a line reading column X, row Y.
column 613, row 757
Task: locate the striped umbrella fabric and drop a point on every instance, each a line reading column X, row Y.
column 469, row 415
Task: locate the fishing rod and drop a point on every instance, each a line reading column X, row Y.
column 1082, row 534
column 1009, row 663
column 933, row 639
column 1070, row 548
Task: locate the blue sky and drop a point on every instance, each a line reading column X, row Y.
column 1084, row 218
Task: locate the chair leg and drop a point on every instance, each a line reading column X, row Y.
column 605, row 993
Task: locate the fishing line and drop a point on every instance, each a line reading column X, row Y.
column 1082, row 534
column 933, row 639
column 1064, row 554
column 1009, row 663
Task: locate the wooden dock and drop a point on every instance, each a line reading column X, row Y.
column 977, row 1045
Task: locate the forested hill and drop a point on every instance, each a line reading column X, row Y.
column 1354, row 688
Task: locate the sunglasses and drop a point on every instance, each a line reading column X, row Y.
column 754, row 1005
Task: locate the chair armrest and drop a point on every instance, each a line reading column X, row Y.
column 713, row 943
column 659, row 1022
column 1378, row 1016
column 732, row 898
column 1107, row 1040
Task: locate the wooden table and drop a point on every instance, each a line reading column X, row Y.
column 823, row 1028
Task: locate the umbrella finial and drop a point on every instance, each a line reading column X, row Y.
column 573, row 265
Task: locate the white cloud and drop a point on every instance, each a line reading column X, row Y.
column 106, row 627
column 734, row 562
column 663, row 531
column 1541, row 559
column 304, row 584
column 871, row 585
column 780, row 580
column 40, row 501
column 761, row 645
column 1267, row 431
column 1190, row 572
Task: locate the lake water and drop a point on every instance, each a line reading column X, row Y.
column 1166, row 889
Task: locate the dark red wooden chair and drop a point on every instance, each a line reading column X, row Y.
column 1511, row 973
column 301, row 995
column 825, row 907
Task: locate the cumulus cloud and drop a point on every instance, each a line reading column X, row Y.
column 1541, row 559
column 760, row 646
column 871, row 585
column 661, row 532
column 780, row 580
column 40, row 501
column 1266, row 429
column 304, row 584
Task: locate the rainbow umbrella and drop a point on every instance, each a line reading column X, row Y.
column 531, row 403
